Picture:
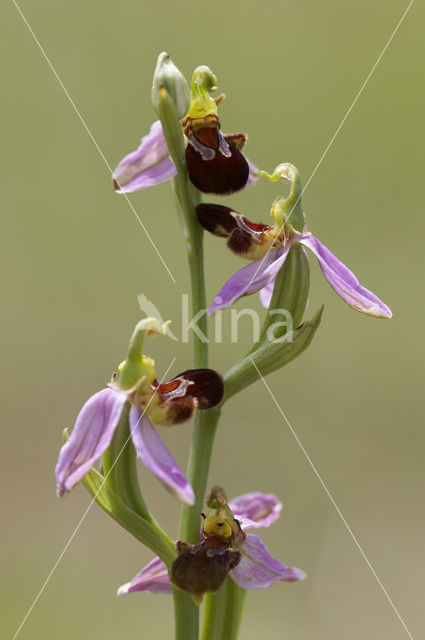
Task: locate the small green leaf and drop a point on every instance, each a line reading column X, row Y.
column 120, row 468
column 271, row 357
column 289, row 299
column 142, row 530
column 172, row 129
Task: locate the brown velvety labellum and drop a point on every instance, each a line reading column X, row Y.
column 205, row 385
column 243, row 235
column 179, row 410
column 221, row 175
column 216, row 219
column 246, row 235
column 203, row 568
column 240, row 242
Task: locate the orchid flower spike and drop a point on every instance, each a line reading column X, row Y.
column 267, row 246
column 215, row 161
column 225, row 549
column 137, row 396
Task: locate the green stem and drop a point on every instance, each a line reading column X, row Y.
column 235, row 603
column 212, row 622
column 290, row 294
column 223, row 612
column 187, row 198
column 142, row 530
column 186, row 612
column 120, row 469
column 186, row 616
column 206, row 423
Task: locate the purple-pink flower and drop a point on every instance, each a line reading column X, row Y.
column 151, row 164
column 92, row 434
column 271, row 245
column 168, row 403
column 257, row 568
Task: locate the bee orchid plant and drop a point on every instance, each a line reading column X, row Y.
column 214, row 561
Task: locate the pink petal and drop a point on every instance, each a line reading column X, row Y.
column 266, row 294
column 149, row 165
column 91, row 436
column 258, row 569
column 256, row 509
column 156, row 457
column 249, row 279
column 344, row 282
column 152, row 578
column 254, row 173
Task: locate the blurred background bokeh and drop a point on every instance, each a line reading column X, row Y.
column 74, row 259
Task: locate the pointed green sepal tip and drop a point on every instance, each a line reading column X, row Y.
column 137, row 366
column 168, row 76
column 284, row 209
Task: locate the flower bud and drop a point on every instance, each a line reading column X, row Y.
column 167, row 75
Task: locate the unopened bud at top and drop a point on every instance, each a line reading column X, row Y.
column 168, row 76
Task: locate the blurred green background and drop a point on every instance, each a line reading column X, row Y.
column 74, row 259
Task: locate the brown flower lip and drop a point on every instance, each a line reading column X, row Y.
column 205, row 386
column 245, row 238
column 215, row 162
column 202, row 568
column 191, row 389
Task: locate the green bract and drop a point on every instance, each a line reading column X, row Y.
column 168, row 76
column 271, row 357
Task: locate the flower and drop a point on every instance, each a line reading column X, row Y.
column 150, row 164
column 268, row 246
column 142, row 401
column 255, row 569
column 215, row 161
